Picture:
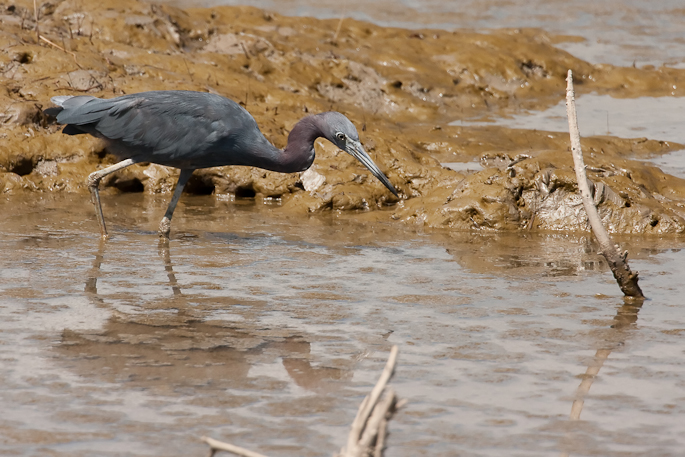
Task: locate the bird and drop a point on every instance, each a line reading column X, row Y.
column 191, row 130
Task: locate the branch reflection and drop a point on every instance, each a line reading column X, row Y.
column 626, row 317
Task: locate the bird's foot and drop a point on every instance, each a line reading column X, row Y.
column 165, row 227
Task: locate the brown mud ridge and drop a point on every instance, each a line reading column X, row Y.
column 402, row 88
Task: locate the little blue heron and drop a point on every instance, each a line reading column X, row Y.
column 191, row 130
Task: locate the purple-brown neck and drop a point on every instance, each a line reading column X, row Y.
column 298, row 155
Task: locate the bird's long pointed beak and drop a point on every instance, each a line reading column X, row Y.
column 356, row 150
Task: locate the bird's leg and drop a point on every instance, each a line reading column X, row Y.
column 165, row 224
column 93, row 182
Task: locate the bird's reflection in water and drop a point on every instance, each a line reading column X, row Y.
column 181, row 348
column 625, row 318
column 168, row 267
column 94, row 273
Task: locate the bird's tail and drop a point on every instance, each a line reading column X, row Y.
column 68, row 107
column 60, row 99
column 67, row 112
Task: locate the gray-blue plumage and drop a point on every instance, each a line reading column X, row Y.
column 191, row 130
column 175, row 128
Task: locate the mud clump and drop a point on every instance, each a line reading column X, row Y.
column 402, row 89
column 524, row 195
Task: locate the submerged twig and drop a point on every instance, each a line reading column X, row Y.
column 626, row 279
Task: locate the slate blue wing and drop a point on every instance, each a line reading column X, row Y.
column 175, row 128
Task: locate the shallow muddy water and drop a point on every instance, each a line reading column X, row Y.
column 619, row 32
column 652, row 117
column 266, row 331
column 649, row 117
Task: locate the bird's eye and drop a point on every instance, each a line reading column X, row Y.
column 340, row 136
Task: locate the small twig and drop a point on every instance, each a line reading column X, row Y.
column 60, row 48
column 35, row 16
column 531, row 222
column 371, row 421
column 380, row 441
column 242, row 45
column 188, row 70
column 79, row 23
column 217, row 445
column 71, row 88
column 626, row 279
column 367, row 406
column 337, row 30
column 373, row 425
column 369, row 426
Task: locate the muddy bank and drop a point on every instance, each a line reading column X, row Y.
column 402, row 88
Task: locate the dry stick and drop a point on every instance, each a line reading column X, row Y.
column 35, row 16
column 370, row 401
column 60, row 48
column 247, row 55
column 371, row 421
column 188, row 70
column 374, row 424
column 337, row 30
column 216, row 445
column 626, row 279
column 380, row 441
column 371, row 414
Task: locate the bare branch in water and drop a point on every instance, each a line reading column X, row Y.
column 626, row 279
column 369, row 429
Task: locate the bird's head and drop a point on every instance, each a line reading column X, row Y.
column 338, row 129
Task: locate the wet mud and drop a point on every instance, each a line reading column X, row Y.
column 402, row 88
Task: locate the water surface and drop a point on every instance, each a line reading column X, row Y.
column 642, row 117
column 652, row 117
column 267, row 331
column 619, row 32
